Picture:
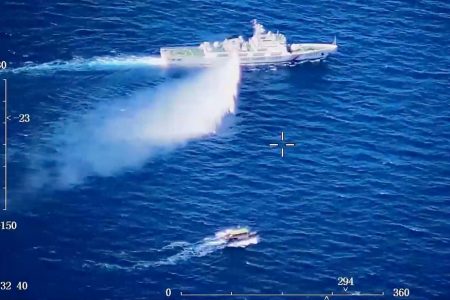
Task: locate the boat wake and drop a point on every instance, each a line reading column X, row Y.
column 190, row 250
column 244, row 243
column 204, row 247
column 184, row 252
column 123, row 134
column 95, row 63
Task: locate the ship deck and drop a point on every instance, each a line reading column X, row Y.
column 183, row 51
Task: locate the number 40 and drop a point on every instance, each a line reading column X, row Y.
column 22, row 286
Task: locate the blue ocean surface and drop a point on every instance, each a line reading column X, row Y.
column 105, row 213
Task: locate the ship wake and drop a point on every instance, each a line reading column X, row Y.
column 95, row 63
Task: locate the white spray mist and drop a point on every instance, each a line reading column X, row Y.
column 109, row 140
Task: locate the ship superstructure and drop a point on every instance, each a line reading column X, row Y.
column 264, row 47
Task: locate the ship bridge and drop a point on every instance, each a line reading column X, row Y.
column 263, row 41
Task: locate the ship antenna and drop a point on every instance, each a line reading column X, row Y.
column 255, row 26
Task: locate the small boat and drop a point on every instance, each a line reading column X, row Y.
column 239, row 234
column 238, row 237
column 262, row 48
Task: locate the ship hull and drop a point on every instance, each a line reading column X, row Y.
column 190, row 56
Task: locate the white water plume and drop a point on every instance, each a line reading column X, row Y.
column 110, row 139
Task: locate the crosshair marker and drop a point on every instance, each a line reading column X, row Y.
column 283, row 144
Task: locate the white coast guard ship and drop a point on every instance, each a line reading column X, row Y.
column 262, row 48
